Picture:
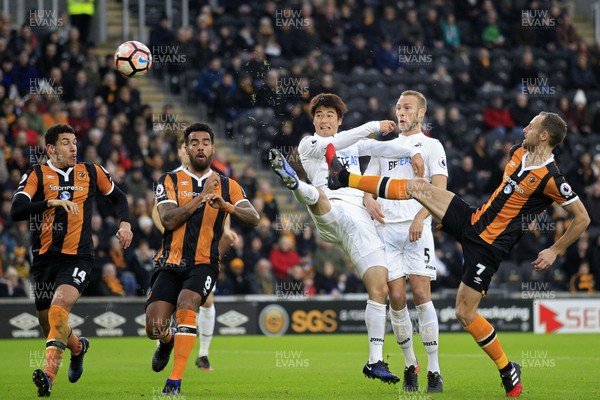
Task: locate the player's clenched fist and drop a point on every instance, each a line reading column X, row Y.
column 387, row 126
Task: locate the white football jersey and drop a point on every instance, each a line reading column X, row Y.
column 349, row 146
column 434, row 157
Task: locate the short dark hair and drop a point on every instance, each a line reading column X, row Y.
column 51, row 135
column 555, row 126
column 196, row 127
column 328, row 100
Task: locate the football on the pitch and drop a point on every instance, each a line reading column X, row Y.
column 133, row 59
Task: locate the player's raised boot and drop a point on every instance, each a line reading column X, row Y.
column 335, row 167
column 411, row 379
column 435, row 383
column 162, row 354
column 380, row 370
column 283, row 169
column 76, row 364
column 42, row 381
column 172, row 387
column 511, row 380
column 203, row 364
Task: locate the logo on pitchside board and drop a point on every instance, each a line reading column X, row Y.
column 273, row 320
column 232, row 321
column 25, row 322
column 109, row 322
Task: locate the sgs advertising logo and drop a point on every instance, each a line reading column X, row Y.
column 314, row 321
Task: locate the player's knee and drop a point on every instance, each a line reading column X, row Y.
column 154, row 331
column 397, row 299
column 421, row 295
column 464, row 315
column 380, row 292
column 417, row 187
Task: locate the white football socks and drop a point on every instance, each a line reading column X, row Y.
column 206, row 327
column 375, row 321
column 306, row 194
column 403, row 330
column 429, row 330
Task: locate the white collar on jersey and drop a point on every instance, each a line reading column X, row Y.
column 200, row 179
column 65, row 174
column 523, row 169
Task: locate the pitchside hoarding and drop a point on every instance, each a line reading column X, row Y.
column 566, row 316
column 103, row 317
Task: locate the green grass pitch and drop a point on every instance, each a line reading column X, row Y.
column 311, row 367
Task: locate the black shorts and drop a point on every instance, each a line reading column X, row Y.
column 166, row 283
column 481, row 260
column 51, row 271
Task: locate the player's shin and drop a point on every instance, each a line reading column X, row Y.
column 206, row 327
column 184, row 341
column 56, row 344
column 375, row 320
column 73, row 342
column 429, row 329
column 306, row 194
column 403, row 330
column 382, row 186
column 485, row 336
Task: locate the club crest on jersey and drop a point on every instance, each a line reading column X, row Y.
column 565, row 189
column 65, row 195
column 81, row 175
column 532, row 180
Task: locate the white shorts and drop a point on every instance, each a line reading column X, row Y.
column 404, row 257
column 352, row 228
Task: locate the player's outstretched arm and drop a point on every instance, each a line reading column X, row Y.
column 21, row 207
column 580, row 222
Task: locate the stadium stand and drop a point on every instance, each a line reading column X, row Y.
column 253, row 69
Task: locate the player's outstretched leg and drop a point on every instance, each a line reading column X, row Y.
column 76, row 364
column 303, row 192
column 162, row 354
column 206, row 327
column 382, row 186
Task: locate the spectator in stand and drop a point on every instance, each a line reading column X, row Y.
column 497, row 119
column 441, row 85
column 265, row 192
column 492, row 33
column 24, row 73
column 389, row 22
column 248, row 181
column 327, row 23
column 262, row 280
column 566, row 34
column 110, row 284
column 579, row 114
column 450, row 31
column 464, row 181
column 481, row 69
column 360, row 54
column 387, row 59
column 223, row 166
column 582, row 75
column 283, row 257
column 525, row 73
column 411, row 31
column 520, row 111
column 583, row 280
column 327, row 281
column 434, row 35
column 209, row 80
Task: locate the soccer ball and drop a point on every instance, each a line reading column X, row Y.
column 133, row 59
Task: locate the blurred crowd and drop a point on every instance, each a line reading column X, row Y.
column 486, row 71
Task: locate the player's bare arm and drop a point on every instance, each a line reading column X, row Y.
column 156, row 218
column 243, row 211
column 124, row 234
column 173, row 216
column 67, row 205
column 415, row 230
column 581, row 220
column 373, row 208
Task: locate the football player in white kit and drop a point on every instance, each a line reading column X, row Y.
column 206, row 313
column 405, row 229
column 340, row 216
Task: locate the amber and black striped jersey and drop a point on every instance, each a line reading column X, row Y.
column 196, row 241
column 54, row 230
column 524, row 193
